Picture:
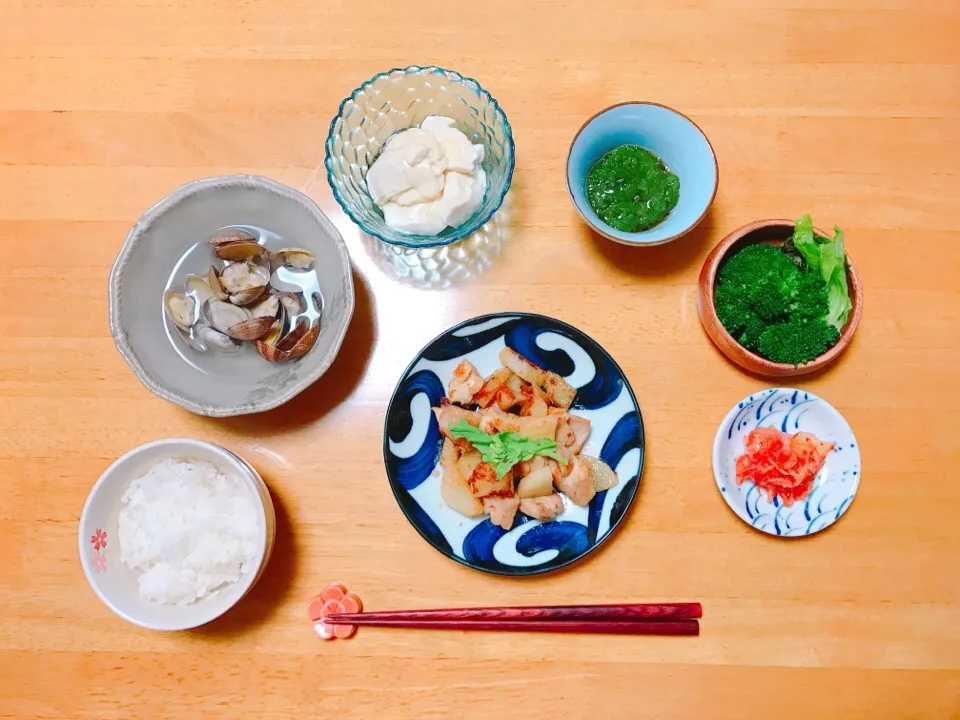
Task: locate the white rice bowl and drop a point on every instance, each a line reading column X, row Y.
column 171, row 606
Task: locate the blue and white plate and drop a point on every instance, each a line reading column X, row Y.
column 789, row 411
column 412, row 442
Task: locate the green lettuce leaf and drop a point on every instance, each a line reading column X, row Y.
column 833, row 269
column 506, row 449
column 805, row 242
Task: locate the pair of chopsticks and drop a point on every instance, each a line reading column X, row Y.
column 631, row 619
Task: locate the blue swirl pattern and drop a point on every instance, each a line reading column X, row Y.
column 413, row 470
column 530, row 546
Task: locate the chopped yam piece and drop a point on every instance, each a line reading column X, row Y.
column 448, row 415
column 560, row 392
column 486, row 394
column 538, row 483
column 456, row 493
column 484, row 482
column 602, row 474
column 535, row 463
column 468, row 462
column 577, row 484
column 465, row 383
column 521, row 366
column 502, row 510
column 542, row 508
column 511, row 393
column 537, row 427
column 449, row 454
column 536, row 407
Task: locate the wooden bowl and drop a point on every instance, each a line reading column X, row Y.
column 774, row 232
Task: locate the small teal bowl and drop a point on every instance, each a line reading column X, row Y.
column 400, row 99
column 670, row 135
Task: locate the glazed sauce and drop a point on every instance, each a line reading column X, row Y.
column 631, row 189
column 780, row 464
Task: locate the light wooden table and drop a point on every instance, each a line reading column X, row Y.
column 838, row 108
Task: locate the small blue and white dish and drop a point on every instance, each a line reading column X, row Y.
column 789, row 411
column 668, row 134
column 412, row 443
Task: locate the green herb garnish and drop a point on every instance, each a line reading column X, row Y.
column 505, row 449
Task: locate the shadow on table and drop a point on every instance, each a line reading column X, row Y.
column 270, row 592
column 659, row 260
column 442, row 267
column 332, row 388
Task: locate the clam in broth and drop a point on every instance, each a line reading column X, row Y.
column 247, row 294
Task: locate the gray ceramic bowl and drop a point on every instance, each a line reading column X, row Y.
column 158, row 247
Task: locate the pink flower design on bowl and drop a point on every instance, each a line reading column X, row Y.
column 99, row 562
column 99, row 539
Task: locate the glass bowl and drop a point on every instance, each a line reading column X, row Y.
column 399, row 99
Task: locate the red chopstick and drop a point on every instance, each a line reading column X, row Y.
column 636, row 611
column 611, row 627
column 633, row 619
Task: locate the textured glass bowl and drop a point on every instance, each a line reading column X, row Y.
column 399, row 99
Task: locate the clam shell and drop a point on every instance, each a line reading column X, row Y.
column 270, row 352
column 196, row 343
column 216, row 340
column 317, row 301
column 267, row 307
column 180, row 307
column 276, row 330
column 223, row 316
column 288, row 341
column 216, row 286
column 244, row 275
column 305, row 343
column 245, row 297
column 238, row 250
column 297, row 258
column 251, row 329
column 229, row 235
column 292, row 302
column 200, row 288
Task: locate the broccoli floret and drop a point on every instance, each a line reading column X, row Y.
column 752, row 262
column 774, row 306
column 810, row 298
column 797, row 341
column 771, row 297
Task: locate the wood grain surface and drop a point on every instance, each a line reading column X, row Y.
column 848, row 109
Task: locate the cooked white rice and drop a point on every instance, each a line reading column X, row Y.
column 187, row 531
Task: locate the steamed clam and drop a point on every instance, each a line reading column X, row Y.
column 238, row 250
column 297, row 343
column 227, row 235
column 267, row 307
column 216, row 340
column 239, row 276
column 238, row 299
column 223, row 315
column 180, row 307
column 297, row 258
